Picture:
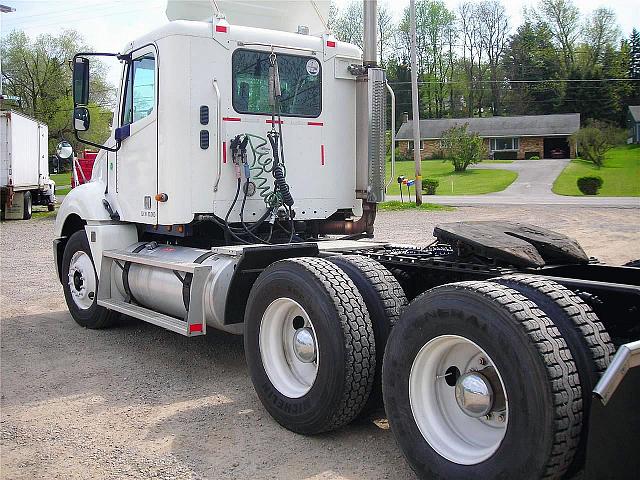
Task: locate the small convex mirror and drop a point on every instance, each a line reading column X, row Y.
column 64, row 150
column 81, row 120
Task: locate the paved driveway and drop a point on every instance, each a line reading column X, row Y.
column 533, row 186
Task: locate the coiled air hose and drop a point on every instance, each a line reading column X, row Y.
column 278, row 172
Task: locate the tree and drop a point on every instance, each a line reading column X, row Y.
column 595, row 140
column 493, row 33
column 600, row 32
column 530, row 56
column 435, row 37
column 463, row 148
column 563, row 19
column 37, row 71
column 347, row 26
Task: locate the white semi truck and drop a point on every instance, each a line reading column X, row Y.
column 238, row 192
column 24, row 166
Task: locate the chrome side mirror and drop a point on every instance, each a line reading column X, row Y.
column 81, row 119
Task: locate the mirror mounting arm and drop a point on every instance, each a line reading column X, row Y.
column 98, row 145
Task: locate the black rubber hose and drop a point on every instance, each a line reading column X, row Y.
column 278, row 172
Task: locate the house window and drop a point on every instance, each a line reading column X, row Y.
column 505, row 144
column 410, row 144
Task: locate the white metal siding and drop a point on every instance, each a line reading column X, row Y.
column 21, row 147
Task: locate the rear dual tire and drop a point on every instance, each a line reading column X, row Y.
column 536, row 373
column 309, row 345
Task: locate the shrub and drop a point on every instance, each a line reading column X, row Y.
column 404, row 156
column 438, row 155
column 463, row 148
column 534, row 157
column 589, row 185
column 429, row 186
column 596, row 139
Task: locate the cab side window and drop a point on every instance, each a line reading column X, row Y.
column 140, row 93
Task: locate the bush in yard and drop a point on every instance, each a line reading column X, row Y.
column 463, row 148
column 402, row 156
column 590, row 185
column 429, row 186
column 596, row 139
column 535, row 157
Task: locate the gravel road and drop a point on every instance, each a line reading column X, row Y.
column 137, row 401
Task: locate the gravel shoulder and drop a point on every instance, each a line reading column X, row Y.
column 136, row 401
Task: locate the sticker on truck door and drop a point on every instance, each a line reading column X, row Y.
column 313, row 67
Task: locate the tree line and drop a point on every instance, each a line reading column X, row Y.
column 473, row 62
column 38, row 72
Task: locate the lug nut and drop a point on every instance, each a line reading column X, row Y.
column 501, row 418
column 482, row 361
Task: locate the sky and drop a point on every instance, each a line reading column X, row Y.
column 107, row 25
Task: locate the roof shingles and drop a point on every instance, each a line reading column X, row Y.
column 526, row 125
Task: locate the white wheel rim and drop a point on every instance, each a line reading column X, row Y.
column 451, row 432
column 82, row 280
column 292, row 377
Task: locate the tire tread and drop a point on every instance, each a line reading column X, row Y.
column 360, row 361
column 558, row 361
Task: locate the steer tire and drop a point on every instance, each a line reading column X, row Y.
column 586, row 336
column 345, row 344
column 544, row 415
column 94, row 317
column 384, row 299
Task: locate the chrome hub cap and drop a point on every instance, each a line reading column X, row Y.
column 474, row 394
column 304, row 345
column 288, row 347
column 82, row 280
column 458, row 399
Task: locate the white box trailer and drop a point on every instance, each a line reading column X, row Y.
column 24, row 165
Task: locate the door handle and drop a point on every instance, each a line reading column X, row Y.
column 218, row 134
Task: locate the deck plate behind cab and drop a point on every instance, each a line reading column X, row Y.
column 519, row 244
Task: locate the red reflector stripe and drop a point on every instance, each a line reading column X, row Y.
column 224, row 152
column 195, row 327
column 221, row 28
column 331, row 43
column 276, row 122
column 231, row 119
column 321, row 154
column 315, row 124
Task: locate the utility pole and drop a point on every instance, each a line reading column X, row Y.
column 414, row 101
column 3, row 9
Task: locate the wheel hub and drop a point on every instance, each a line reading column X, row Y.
column 304, row 345
column 474, row 394
column 82, row 280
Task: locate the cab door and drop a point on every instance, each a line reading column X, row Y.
column 136, row 173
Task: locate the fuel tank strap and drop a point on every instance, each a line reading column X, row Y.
column 125, row 276
column 186, row 284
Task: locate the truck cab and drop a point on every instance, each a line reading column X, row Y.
column 189, row 88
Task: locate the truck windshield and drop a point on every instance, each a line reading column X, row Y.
column 300, row 81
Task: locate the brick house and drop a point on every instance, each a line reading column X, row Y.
column 522, row 137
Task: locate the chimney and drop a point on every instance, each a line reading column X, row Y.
column 405, row 117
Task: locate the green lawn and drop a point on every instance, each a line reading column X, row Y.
column 471, row 182
column 61, row 180
column 621, row 174
column 395, row 205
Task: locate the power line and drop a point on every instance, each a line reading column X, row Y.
column 559, row 80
